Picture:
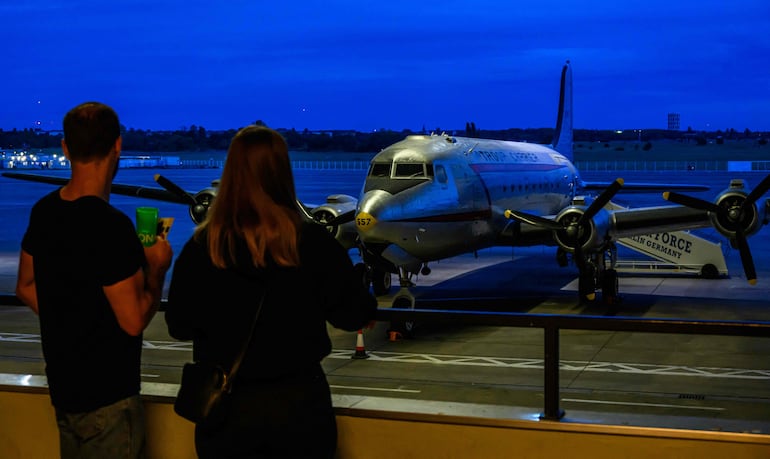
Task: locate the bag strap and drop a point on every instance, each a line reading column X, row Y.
column 239, row 357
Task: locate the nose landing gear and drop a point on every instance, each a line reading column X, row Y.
column 404, row 299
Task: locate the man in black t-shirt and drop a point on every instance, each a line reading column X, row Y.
column 95, row 288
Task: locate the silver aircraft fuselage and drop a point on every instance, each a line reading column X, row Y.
column 427, row 198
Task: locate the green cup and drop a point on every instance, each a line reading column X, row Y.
column 147, row 224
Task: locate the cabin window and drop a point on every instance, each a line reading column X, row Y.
column 441, row 174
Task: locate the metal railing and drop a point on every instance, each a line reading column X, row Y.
column 551, row 325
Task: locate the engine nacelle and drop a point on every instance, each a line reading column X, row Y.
column 590, row 234
column 748, row 219
column 203, row 200
column 336, row 205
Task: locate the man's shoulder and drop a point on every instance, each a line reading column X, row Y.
column 49, row 199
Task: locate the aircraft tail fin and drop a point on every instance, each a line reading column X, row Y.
column 562, row 140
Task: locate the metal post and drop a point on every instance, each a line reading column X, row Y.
column 551, row 384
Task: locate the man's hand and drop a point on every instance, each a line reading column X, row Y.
column 159, row 256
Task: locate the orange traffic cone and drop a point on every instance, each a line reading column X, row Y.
column 360, row 351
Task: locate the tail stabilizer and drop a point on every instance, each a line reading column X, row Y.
column 562, row 140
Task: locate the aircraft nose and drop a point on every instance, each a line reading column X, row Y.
column 365, row 221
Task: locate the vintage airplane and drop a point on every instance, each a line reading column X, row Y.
column 428, row 198
column 431, row 197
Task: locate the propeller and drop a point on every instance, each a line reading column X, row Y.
column 733, row 212
column 571, row 225
column 198, row 209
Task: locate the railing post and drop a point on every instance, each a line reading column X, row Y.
column 551, row 372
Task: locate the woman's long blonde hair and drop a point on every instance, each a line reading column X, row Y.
column 256, row 202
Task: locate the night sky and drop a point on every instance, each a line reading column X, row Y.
column 387, row 65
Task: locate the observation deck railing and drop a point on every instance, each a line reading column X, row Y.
column 551, row 325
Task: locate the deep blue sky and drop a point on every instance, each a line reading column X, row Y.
column 332, row 64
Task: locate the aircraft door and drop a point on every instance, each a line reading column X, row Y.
column 471, row 193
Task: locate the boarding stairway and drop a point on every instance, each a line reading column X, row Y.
column 676, row 252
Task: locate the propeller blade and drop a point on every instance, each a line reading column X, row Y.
column 757, row 192
column 580, row 262
column 305, row 210
column 342, row 218
column 691, row 202
column 602, row 200
column 746, row 258
column 533, row 220
column 176, row 189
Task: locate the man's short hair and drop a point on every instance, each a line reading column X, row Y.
column 90, row 131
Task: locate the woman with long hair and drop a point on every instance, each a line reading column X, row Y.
column 254, row 243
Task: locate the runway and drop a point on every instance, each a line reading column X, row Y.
column 661, row 380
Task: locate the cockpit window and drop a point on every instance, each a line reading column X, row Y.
column 397, row 177
column 380, row 170
column 411, row 170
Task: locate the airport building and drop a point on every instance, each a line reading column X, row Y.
column 28, row 160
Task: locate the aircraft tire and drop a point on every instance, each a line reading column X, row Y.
column 610, row 287
column 587, row 282
column 381, row 282
column 709, row 271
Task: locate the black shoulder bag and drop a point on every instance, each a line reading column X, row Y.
column 205, row 385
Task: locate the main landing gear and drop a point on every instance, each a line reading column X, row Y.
column 597, row 272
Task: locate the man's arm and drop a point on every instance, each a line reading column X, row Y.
column 136, row 299
column 25, row 281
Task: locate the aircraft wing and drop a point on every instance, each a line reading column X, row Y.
column 158, row 194
column 644, row 187
column 336, row 214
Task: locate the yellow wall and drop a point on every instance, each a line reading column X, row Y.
column 28, row 430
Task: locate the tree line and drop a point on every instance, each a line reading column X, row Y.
column 198, row 138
